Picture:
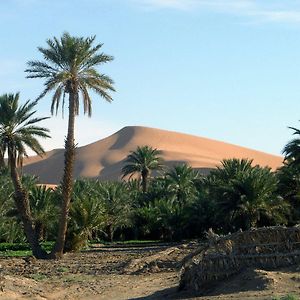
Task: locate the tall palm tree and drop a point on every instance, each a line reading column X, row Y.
column 69, row 68
column 142, row 161
column 18, row 131
column 2, row 160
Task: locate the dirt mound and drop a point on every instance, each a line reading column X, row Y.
column 165, row 260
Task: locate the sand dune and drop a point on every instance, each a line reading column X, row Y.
column 104, row 158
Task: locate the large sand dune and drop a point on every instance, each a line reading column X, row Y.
column 104, row 158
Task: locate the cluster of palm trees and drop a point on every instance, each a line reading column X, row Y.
column 176, row 203
column 68, row 67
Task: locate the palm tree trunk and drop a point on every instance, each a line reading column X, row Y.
column 67, row 181
column 144, row 180
column 2, row 161
column 23, row 207
column 111, row 232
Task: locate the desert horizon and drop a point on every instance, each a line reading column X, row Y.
column 103, row 159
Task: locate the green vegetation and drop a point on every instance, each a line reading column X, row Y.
column 19, row 131
column 69, row 68
column 142, row 161
column 177, row 203
column 287, row 297
column 20, row 249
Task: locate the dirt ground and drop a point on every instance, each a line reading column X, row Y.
column 149, row 272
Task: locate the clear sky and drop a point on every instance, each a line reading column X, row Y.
column 227, row 70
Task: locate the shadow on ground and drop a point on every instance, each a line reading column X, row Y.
column 169, row 293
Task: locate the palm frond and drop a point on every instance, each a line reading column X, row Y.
column 70, row 62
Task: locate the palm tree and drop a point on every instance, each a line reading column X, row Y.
column 2, row 160
column 86, row 216
column 181, row 183
column 118, row 207
column 18, row 131
column 43, row 209
column 142, row 161
column 69, row 68
column 246, row 194
column 289, row 188
column 292, row 149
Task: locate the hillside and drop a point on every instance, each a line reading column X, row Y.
column 104, row 159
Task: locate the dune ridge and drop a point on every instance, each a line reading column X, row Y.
column 104, row 159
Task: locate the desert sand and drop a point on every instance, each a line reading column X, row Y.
column 104, row 159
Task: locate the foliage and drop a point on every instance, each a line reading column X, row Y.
column 181, row 183
column 18, row 133
column 18, row 129
column 69, row 62
column 20, row 249
column 179, row 204
column 142, row 161
column 160, row 218
column 199, row 215
column 85, row 214
column 118, row 207
column 286, row 297
column 289, row 189
column 291, row 150
column 69, row 68
column 245, row 195
column 44, row 210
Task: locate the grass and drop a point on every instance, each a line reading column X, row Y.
column 39, row 277
column 20, row 249
column 125, row 242
column 71, row 278
column 139, row 242
column 62, row 269
column 286, row 297
column 23, row 249
column 15, row 253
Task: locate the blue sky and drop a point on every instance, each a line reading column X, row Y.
column 227, row 70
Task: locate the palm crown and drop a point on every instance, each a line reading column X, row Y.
column 69, row 66
column 142, row 161
column 292, row 149
column 18, row 130
column 181, row 182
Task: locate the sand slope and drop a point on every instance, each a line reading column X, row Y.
column 104, row 158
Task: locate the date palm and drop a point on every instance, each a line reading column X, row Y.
column 118, row 207
column 246, row 195
column 69, row 68
column 18, row 132
column 142, row 161
column 181, row 183
column 43, row 208
column 292, row 149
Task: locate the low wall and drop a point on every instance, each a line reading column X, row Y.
column 265, row 248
